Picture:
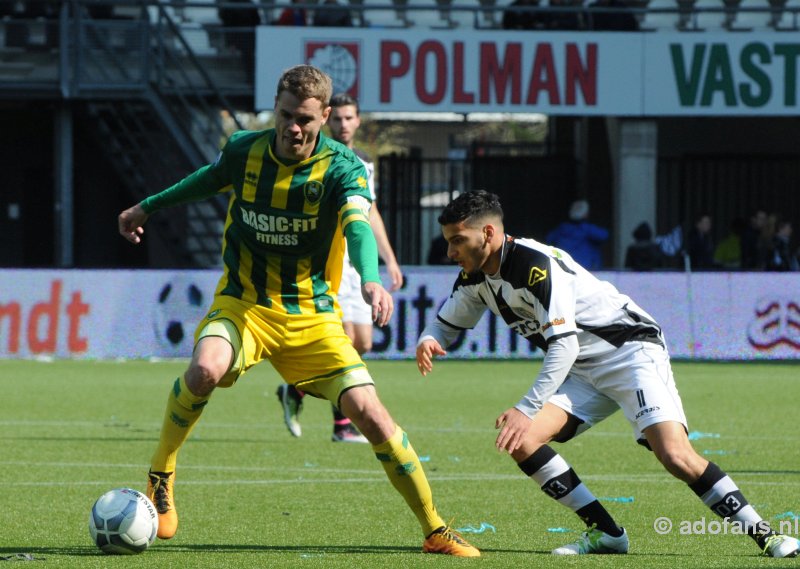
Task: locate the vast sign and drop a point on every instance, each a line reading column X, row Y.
column 725, row 74
column 625, row 74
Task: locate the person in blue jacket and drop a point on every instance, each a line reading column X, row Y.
column 580, row 238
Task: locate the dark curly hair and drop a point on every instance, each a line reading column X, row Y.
column 475, row 204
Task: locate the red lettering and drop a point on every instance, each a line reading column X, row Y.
column 50, row 311
column 75, row 309
column 395, row 62
column 578, row 73
column 497, row 75
column 543, row 76
column 436, row 49
column 459, row 95
column 11, row 311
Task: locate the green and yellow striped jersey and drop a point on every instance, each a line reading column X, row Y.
column 283, row 241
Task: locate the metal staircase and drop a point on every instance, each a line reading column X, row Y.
column 158, row 115
column 148, row 159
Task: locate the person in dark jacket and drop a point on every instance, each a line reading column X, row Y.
column 699, row 244
column 643, row 254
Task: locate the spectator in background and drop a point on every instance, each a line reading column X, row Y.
column 563, row 20
column 781, row 257
column 752, row 253
column 767, row 237
column 728, row 254
column 580, row 238
column 291, row 16
column 699, row 245
column 620, row 20
column 333, row 15
column 523, row 19
column 241, row 36
column 643, row 254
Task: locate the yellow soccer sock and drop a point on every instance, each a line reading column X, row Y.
column 401, row 463
column 183, row 411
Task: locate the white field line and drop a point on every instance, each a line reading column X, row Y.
column 310, row 475
column 116, row 423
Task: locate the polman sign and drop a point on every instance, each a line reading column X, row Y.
column 439, row 73
column 623, row 74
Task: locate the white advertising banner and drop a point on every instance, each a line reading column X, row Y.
column 142, row 314
column 720, row 74
column 558, row 73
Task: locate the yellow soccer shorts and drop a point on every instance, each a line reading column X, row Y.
column 311, row 352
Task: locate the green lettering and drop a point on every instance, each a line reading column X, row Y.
column 753, row 70
column 719, row 77
column 789, row 52
column 687, row 85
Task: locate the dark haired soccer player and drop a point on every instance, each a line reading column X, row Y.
column 602, row 353
column 295, row 196
column 344, row 122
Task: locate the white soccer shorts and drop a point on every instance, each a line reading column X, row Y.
column 636, row 378
column 354, row 309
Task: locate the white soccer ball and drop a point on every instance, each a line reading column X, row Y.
column 123, row 521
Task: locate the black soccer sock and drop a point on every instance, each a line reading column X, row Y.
column 558, row 480
column 720, row 493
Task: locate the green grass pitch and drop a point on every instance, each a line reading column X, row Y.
column 250, row 495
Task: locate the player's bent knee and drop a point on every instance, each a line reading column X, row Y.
column 685, row 464
column 202, row 377
column 362, row 406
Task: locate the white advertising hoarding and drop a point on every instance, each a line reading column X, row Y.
column 720, row 74
column 559, row 73
column 142, row 314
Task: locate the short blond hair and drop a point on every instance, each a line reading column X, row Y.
column 306, row 82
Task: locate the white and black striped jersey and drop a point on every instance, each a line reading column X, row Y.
column 369, row 165
column 546, row 297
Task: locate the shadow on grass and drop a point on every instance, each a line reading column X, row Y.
column 37, row 553
column 750, row 471
column 41, row 553
column 310, row 549
column 314, row 550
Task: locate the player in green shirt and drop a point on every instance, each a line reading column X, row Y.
column 295, row 196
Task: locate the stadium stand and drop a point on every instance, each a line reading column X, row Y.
column 708, row 15
column 656, row 15
column 653, row 15
column 782, row 18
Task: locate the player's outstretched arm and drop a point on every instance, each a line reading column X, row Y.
column 130, row 223
column 426, row 350
column 381, row 301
